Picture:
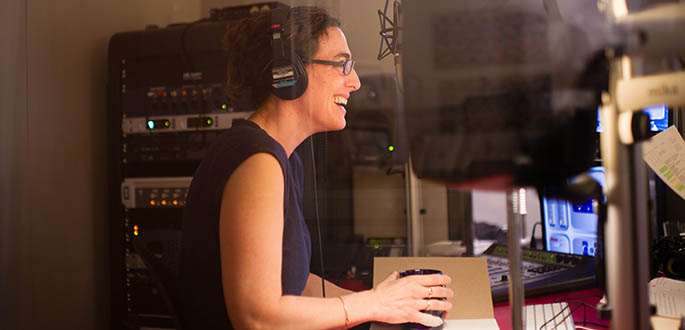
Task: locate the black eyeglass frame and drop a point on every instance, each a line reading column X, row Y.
column 347, row 65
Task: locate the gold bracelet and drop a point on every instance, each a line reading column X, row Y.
column 347, row 317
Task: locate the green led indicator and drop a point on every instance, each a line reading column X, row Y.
column 224, row 106
column 391, row 148
column 209, row 122
column 167, row 123
column 376, row 246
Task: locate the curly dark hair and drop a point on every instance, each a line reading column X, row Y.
column 248, row 44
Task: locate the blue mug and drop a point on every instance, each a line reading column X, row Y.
column 440, row 314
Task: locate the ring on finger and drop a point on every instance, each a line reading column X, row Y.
column 430, row 292
column 428, row 305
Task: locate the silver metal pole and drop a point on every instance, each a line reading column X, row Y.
column 515, row 218
column 413, row 205
column 626, row 229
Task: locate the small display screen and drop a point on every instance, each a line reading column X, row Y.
column 658, row 118
column 572, row 228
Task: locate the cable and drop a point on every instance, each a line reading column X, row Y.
column 533, row 241
column 553, row 318
column 584, row 305
column 596, row 324
column 316, row 210
column 579, row 303
column 583, row 328
column 185, row 55
column 585, row 321
column 575, row 298
column 391, row 171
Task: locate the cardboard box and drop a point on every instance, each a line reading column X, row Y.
column 472, row 301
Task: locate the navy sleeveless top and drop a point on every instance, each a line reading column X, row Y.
column 201, row 302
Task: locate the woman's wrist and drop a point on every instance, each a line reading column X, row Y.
column 347, row 312
column 361, row 307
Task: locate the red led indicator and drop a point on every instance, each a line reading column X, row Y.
column 275, row 26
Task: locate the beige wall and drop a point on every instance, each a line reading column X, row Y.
column 53, row 226
column 379, row 203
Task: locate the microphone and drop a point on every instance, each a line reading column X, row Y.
column 390, row 37
column 389, row 34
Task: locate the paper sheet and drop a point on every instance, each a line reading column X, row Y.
column 668, row 295
column 665, row 155
column 664, row 323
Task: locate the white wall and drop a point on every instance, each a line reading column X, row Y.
column 53, row 226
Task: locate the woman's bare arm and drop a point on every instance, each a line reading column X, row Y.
column 250, row 236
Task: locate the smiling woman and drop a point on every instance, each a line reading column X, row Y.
column 295, row 70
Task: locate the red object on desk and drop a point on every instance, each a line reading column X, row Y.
column 590, row 296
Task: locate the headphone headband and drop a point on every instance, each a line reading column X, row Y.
column 278, row 17
column 288, row 76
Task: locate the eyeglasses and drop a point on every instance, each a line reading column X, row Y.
column 346, row 65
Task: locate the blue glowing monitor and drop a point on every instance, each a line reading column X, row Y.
column 571, row 228
column 658, row 118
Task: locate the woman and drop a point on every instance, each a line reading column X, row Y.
column 246, row 246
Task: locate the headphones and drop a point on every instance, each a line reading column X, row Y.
column 288, row 76
column 668, row 256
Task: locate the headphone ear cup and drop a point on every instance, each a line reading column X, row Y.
column 299, row 80
column 303, row 79
column 674, row 265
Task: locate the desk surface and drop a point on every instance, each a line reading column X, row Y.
column 590, row 296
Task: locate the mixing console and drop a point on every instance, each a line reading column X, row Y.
column 542, row 271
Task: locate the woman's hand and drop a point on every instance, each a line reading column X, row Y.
column 401, row 300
